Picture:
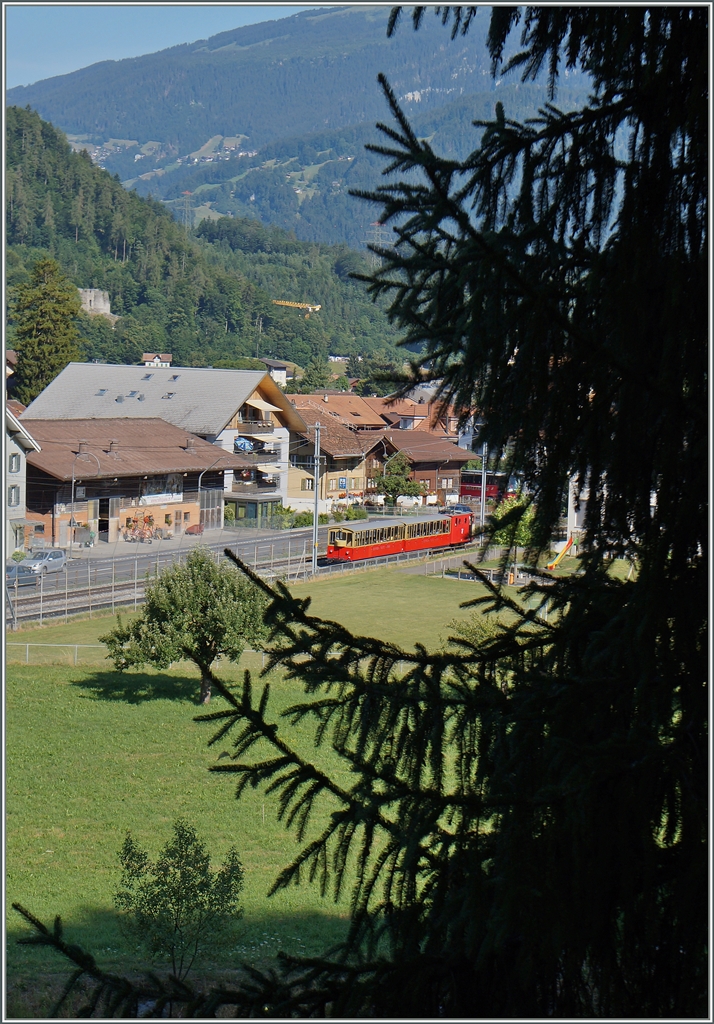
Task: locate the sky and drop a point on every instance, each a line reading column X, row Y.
column 44, row 40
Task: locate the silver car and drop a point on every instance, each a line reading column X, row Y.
column 41, row 562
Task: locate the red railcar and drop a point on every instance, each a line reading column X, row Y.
column 352, row 543
column 470, row 484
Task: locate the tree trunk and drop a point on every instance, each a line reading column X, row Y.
column 205, row 689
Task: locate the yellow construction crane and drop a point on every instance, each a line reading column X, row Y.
column 311, row 307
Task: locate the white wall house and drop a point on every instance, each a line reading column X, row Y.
column 18, row 442
column 237, row 410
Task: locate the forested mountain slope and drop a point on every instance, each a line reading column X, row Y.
column 303, row 183
column 314, row 70
column 199, row 299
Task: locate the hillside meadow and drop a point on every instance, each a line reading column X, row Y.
column 92, row 753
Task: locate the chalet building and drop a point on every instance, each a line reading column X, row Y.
column 238, row 411
column 113, row 477
column 19, row 443
column 435, row 462
column 408, row 414
column 350, row 410
column 344, row 453
column 159, row 360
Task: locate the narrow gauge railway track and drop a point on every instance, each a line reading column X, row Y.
column 111, row 588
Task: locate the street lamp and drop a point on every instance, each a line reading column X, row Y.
column 73, row 522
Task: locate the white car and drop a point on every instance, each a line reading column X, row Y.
column 41, row 562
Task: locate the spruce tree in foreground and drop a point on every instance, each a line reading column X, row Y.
column 525, row 820
column 45, row 312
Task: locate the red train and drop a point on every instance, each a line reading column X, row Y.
column 351, row 543
column 470, row 484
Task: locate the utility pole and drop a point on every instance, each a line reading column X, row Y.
column 484, row 460
column 317, row 498
column 259, row 325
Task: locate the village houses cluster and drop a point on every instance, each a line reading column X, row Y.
column 106, row 449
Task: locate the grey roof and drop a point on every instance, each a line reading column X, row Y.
column 202, row 400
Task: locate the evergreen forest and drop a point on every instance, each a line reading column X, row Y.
column 204, row 296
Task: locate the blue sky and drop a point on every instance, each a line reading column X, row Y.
column 43, row 40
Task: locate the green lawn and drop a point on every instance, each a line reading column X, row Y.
column 92, row 753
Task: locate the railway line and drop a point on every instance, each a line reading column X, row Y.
column 121, row 584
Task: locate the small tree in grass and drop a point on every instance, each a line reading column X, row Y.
column 197, row 612
column 176, row 906
column 395, row 480
column 513, row 524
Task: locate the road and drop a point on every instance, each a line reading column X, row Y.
column 124, row 561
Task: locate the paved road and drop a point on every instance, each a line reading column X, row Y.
column 123, row 561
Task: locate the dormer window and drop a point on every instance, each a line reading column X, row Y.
column 102, row 391
column 175, row 376
column 132, row 394
column 147, row 376
column 169, row 394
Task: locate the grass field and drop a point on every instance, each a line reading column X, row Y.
column 92, row 753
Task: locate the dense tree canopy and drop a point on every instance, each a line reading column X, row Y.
column 46, row 337
column 205, row 297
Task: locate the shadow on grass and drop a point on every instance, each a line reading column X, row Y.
column 36, row 975
column 137, row 687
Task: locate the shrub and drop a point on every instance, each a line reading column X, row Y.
column 354, row 512
column 18, row 556
column 177, row 907
column 302, row 519
column 229, row 514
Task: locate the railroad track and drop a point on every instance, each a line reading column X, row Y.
column 54, row 598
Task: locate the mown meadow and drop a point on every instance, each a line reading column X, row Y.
column 92, row 753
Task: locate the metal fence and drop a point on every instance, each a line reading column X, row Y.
column 100, row 588
column 78, row 655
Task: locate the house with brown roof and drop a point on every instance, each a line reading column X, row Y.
column 408, row 414
column 354, row 412
column 436, row 462
column 236, row 410
column 343, row 458
column 118, row 477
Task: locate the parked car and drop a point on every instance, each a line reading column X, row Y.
column 19, row 575
column 52, row 560
column 450, row 509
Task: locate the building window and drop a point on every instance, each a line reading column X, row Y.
column 332, row 485
column 14, row 463
column 447, row 482
column 307, row 484
column 425, row 483
column 13, row 496
column 355, row 483
column 371, row 482
column 186, row 516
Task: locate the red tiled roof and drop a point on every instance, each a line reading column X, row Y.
column 335, row 438
column 353, row 410
column 421, row 446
